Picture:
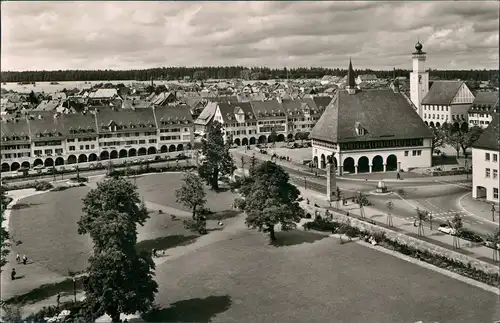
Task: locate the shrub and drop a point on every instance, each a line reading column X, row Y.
column 320, row 224
column 79, row 312
column 79, row 179
column 59, row 188
column 195, row 226
column 43, row 186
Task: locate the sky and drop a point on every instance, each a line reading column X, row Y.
column 54, row 35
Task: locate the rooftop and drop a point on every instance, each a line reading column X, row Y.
column 490, row 139
column 442, row 92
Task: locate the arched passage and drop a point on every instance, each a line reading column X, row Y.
column 481, row 192
column 113, row 154
column 26, row 165
column 171, row 148
column 244, row 142
column 49, row 162
column 72, row 159
column 349, row 165
column 315, row 161
column 455, row 127
column 132, row 152
column 323, row 161
column 151, row 150
column 464, row 127
column 445, row 125
column 237, row 142
column 426, row 123
column 15, row 166
column 377, row 164
column 123, row 153
column 431, row 124
column 142, row 151
column 82, row 158
column 438, row 125
column 363, row 165
column 281, row 137
column 180, row 147
column 5, row 167
column 38, row 162
column 104, row 155
column 188, row 146
column 392, row 163
column 252, row 140
column 59, row 161
column 92, row 157
column 289, row 136
column 164, row 149
column 262, row 139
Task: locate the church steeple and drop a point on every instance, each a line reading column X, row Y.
column 351, row 84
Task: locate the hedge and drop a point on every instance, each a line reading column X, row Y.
column 132, row 172
column 37, row 185
column 451, row 172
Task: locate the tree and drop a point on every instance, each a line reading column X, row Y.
column 200, row 75
column 120, row 278
column 273, row 137
column 253, row 165
column 302, row 136
column 439, row 138
column 243, row 165
column 270, row 199
column 494, row 240
column 218, row 160
column 457, row 226
column 468, row 138
column 422, row 215
column 245, row 74
column 4, row 234
column 453, row 139
column 390, row 207
column 191, row 193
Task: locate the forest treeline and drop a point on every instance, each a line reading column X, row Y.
column 231, row 72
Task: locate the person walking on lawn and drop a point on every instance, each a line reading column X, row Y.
column 25, row 259
column 58, row 299
column 13, row 274
column 18, row 258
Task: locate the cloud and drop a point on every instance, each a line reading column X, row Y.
column 122, row 35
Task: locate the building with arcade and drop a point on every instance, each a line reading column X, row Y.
column 371, row 131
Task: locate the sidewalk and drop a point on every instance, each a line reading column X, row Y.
column 479, row 208
column 479, row 252
column 366, row 177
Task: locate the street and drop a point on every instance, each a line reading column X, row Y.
column 434, row 195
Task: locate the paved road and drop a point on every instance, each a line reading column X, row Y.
column 437, row 196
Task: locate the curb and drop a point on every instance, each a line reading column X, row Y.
column 472, row 214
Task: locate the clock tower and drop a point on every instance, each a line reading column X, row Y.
column 419, row 78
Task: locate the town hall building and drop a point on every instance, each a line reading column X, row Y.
column 370, row 131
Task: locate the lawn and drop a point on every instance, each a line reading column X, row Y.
column 246, row 279
column 46, row 224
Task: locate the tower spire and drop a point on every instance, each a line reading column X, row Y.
column 351, row 84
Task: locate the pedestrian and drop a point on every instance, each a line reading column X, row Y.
column 415, row 223
column 398, row 176
column 25, row 259
column 347, row 213
column 154, row 252
column 58, row 299
column 13, row 274
column 18, row 258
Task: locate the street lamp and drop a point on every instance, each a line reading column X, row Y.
column 305, row 182
column 74, row 288
column 493, row 212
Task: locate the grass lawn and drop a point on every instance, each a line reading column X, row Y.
column 160, row 189
column 246, row 279
column 46, row 224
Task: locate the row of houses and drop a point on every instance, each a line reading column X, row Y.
column 251, row 122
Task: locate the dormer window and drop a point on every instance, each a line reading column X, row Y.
column 360, row 131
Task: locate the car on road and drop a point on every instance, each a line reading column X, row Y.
column 490, row 244
column 470, row 236
column 446, row 229
column 38, row 167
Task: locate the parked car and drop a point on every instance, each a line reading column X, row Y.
column 446, row 229
column 37, row 167
column 490, row 244
column 92, row 166
column 470, row 236
column 151, row 159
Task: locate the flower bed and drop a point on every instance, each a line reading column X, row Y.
column 37, row 185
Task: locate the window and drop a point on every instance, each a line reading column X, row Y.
column 414, row 152
column 71, row 140
column 81, row 147
column 495, row 193
column 419, row 153
column 487, row 173
column 495, row 158
column 142, row 141
column 487, row 157
column 92, row 146
column 71, row 148
column 59, row 151
column 87, row 147
column 495, row 173
column 152, row 141
column 48, row 151
column 37, row 153
column 406, row 153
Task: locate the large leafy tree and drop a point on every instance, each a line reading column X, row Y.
column 439, row 138
column 469, row 137
column 218, row 160
column 454, row 139
column 120, row 278
column 4, row 234
column 191, row 193
column 270, row 199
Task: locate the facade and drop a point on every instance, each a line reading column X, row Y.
column 364, row 133
column 419, row 78
column 238, row 121
column 49, row 139
column 366, row 78
column 447, row 102
column 485, row 163
column 484, row 106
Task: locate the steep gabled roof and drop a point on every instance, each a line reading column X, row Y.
column 168, row 115
column 380, row 112
column 207, row 114
column 485, row 102
column 126, row 118
column 490, row 139
column 442, row 92
column 264, row 109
